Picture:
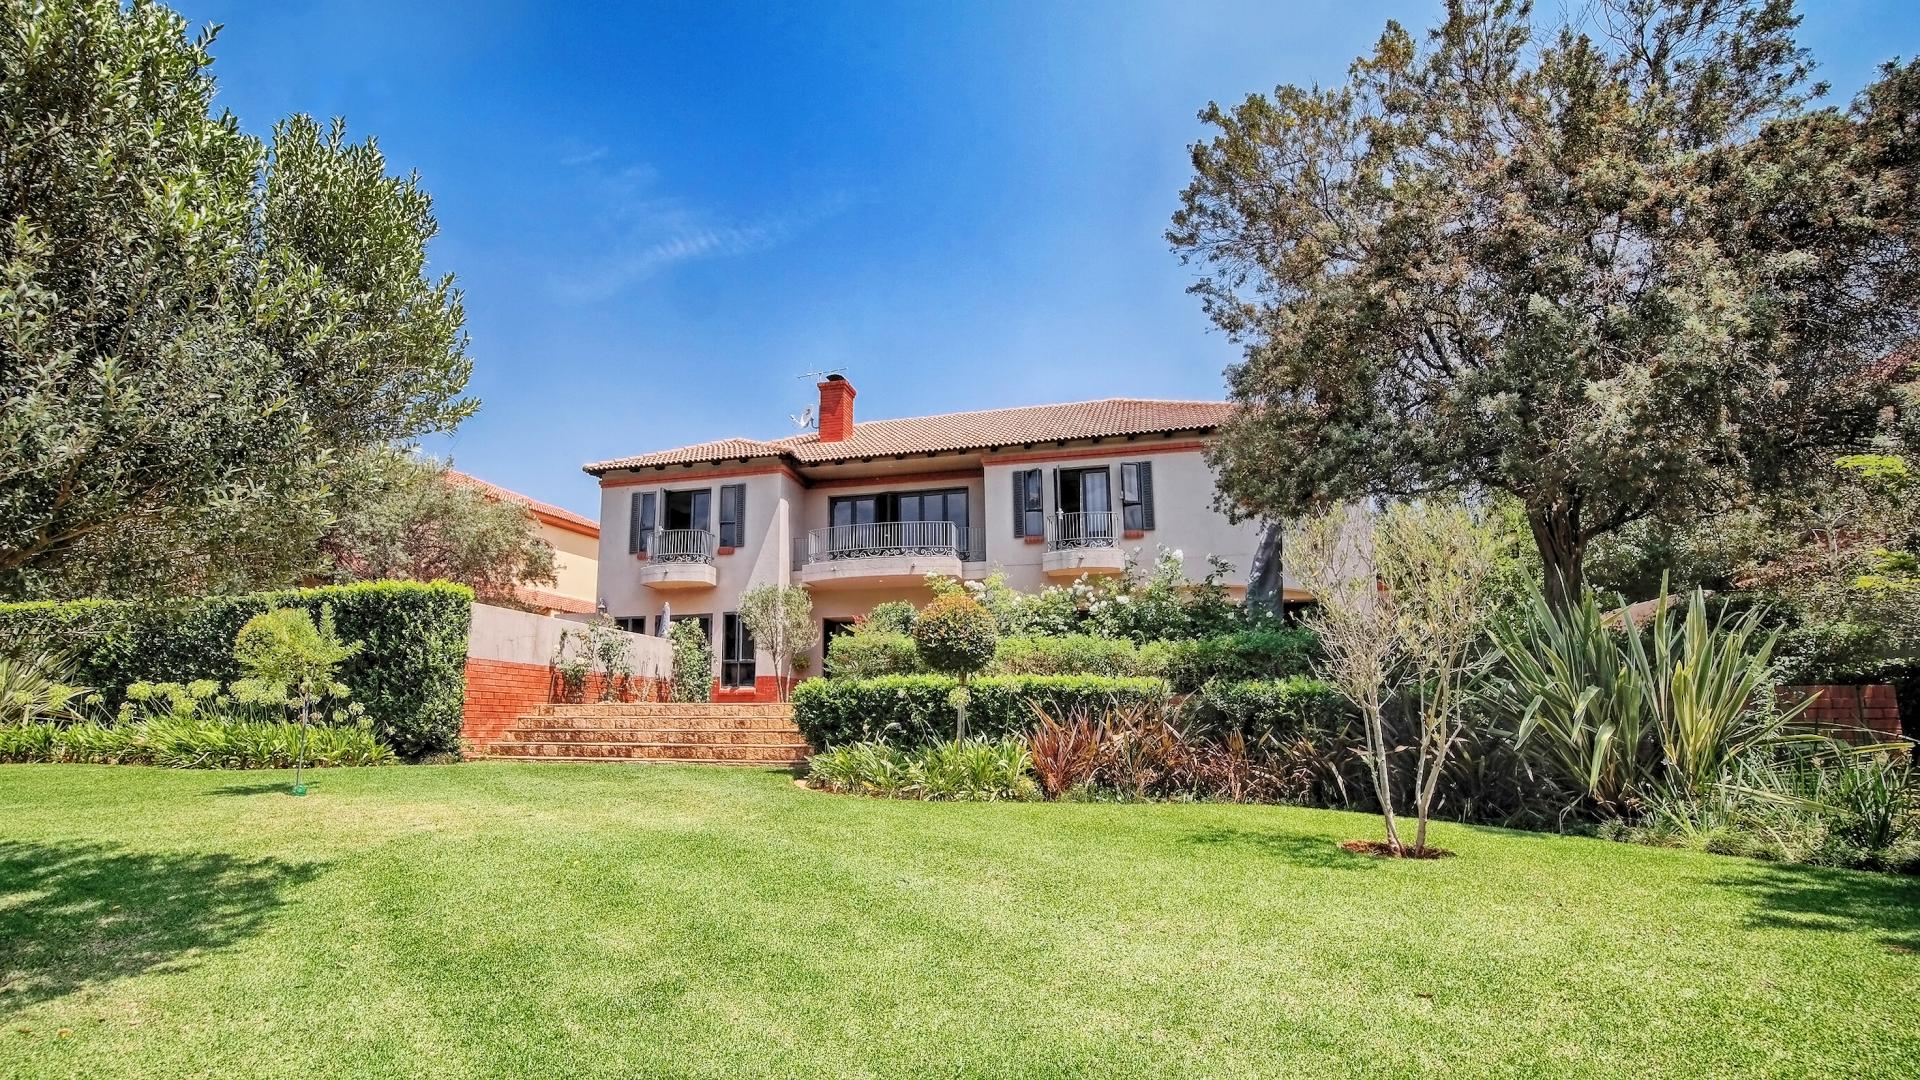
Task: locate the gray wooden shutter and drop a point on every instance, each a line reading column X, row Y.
column 733, row 515
column 633, row 524
column 1019, row 503
column 642, row 522
column 1146, row 495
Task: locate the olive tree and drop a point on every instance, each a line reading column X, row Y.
column 781, row 622
column 1616, row 267
column 194, row 322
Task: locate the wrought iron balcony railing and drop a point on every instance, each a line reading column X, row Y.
column 885, row 538
column 1095, row 528
column 681, row 545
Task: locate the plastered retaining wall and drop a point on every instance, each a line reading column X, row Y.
column 510, row 667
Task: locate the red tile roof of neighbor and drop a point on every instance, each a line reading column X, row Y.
column 547, row 512
column 546, row 598
column 955, row 431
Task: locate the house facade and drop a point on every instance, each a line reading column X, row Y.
column 575, row 541
column 860, row 512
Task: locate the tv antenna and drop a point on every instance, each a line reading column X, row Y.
column 804, row 419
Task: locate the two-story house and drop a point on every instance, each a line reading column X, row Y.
column 861, row 512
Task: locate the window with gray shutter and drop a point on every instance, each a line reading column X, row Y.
column 1029, row 508
column 1136, row 495
column 733, row 515
column 639, row 522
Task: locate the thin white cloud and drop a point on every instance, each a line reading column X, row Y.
column 641, row 234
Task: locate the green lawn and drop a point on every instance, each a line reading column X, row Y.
column 577, row 921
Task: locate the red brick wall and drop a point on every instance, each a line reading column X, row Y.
column 765, row 688
column 1861, row 713
column 501, row 691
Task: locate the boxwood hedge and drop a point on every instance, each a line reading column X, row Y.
column 1261, row 708
column 912, row 710
column 411, row 675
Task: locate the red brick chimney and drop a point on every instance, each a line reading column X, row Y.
column 836, row 409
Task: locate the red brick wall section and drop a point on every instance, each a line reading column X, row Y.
column 765, row 688
column 1857, row 713
column 501, row 691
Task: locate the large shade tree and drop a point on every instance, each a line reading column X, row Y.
column 1618, row 268
column 194, row 322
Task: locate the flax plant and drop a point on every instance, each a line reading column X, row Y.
column 1577, row 698
column 1707, row 684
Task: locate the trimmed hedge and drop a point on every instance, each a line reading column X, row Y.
column 869, row 653
column 1258, row 708
column 914, row 710
column 1075, row 654
column 410, row 677
column 1250, row 654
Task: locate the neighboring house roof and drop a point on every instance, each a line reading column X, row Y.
column 545, row 598
column 951, row 432
column 546, row 512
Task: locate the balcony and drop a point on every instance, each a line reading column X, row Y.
column 1087, row 543
column 678, row 559
column 883, row 553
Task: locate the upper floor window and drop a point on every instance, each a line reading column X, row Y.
column 1029, row 505
column 1136, row 495
column 688, row 509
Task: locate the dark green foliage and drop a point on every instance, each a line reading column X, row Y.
column 193, row 744
column 1074, row 654
column 955, row 635
column 410, row 674
column 911, row 710
column 1267, row 711
column 891, row 617
column 692, row 662
column 868, row 653
column 1249, row 654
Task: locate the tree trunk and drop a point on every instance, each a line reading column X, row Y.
column 1556, row 532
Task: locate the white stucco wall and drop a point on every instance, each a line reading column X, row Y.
column 521, row 637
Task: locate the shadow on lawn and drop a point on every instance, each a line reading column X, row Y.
column 1815, row 898
column 77, row 915
column 1314, row 851
column 282, row 787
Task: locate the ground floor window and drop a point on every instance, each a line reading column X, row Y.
column 736, row 651
column 833, row 628
column 632, row 624
column 705, row 621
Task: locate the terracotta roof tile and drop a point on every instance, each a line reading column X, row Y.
column 558, row 515
column 956, row 431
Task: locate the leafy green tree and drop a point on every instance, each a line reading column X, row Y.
column 1616, row 269
column 193, row 322
column 284, row 650
column 692, row 661
column 398, row 515
column 956, row 636
column 781, row 622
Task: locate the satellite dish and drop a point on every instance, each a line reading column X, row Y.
column 804, row 420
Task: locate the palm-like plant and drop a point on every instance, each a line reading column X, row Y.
column 1703, row 681
column 34, row 685
column 1579, row 700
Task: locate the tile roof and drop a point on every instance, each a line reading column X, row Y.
column 546, row 511
column 955, row 431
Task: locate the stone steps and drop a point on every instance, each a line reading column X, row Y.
column 697, row 733
column 705, row 736
column 734, row 754
column 653, row 723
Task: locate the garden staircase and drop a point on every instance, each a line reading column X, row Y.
column 691, row 733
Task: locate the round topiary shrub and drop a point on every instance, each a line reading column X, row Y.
column 956, row 636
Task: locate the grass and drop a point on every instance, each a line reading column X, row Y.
column 530, row 920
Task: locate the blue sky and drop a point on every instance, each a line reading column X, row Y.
column 662, row 214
